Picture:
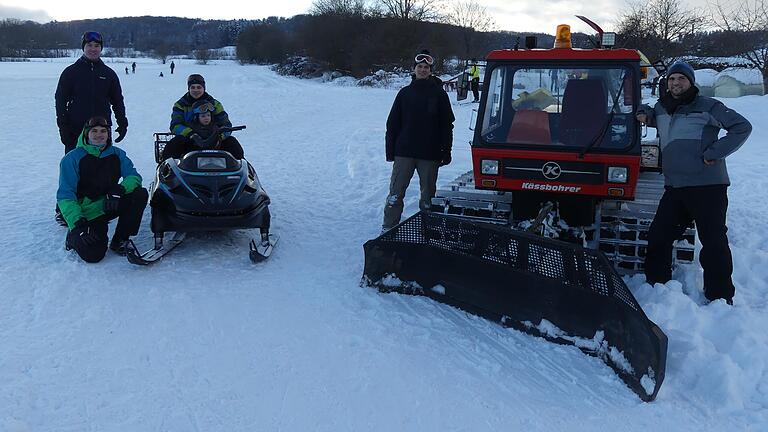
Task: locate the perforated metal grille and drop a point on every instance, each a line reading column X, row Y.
column 568, row 264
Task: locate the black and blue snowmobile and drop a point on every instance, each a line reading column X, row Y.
column 206, row 190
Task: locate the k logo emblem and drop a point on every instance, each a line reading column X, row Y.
column 551, row 170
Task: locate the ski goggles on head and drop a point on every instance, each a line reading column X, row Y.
column 92, row 36
column 97, row 121
column 424, row 58
column 204, row 108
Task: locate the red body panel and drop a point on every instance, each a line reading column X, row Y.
column 564, row 54
column 601, row 190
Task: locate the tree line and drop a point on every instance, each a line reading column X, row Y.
column 361, row 36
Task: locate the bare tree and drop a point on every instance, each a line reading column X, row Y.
column 747, row 22
column 471, row 17
column 415, row 10
column 338, row 7
column 658, row 27
column 202, row 55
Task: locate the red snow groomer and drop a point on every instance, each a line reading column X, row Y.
column 556, row 208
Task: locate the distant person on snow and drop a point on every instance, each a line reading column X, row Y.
column 126, row 70
column 474, row 73
column 182, row 119
column 89, row 194
column 695, row 177
column 88, row 88
column 419, row 137
column 133, row 67
column 173, row 66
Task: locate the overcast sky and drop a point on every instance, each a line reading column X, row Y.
column 520, row 15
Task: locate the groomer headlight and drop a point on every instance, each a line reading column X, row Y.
column 489, row 167
column 617, row 174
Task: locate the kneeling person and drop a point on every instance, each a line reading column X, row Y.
column 90, row 194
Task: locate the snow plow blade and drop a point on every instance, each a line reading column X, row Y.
column 556, row 290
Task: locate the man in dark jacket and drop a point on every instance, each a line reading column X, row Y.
column 696, row 179
column 86, row 89
column 91, row 194
column 182, row 120
column 419, row 137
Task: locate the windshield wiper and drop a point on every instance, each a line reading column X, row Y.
column 608, row 122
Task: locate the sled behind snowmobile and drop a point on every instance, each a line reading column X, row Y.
column 560, row 291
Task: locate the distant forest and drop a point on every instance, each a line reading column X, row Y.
column 355, row 44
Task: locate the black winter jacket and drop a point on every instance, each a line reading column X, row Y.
column 420, row 124
column 86, row 89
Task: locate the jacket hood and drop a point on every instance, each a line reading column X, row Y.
column 92, row 149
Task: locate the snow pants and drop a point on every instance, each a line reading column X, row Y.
column 402, row 172
column 180, row 145
column 707, row 206
column 129, row 214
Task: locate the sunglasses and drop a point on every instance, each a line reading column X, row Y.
column 92, row 36
column 424, row 58
column 204, row 108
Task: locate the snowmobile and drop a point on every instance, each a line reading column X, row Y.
column 556, row 208
column 206, row 190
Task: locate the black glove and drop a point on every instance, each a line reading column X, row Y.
column 84, row 232
column 112, row 198
column 121, row 131
column 198, row 140
column 446, row 158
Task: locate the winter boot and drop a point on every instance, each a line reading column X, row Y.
column 60, row 217
column 118, row 245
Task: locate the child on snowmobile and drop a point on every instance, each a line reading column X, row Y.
column 182, row 119
column 89, row 194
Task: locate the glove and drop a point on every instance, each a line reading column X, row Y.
column 84, row 233
column 198, row 140
column 446, row 158
column 121, row 131
column 112, row 198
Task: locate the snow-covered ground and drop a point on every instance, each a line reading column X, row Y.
column 208, row 341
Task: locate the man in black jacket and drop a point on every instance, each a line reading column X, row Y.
column 419, row 137
column 86, row 89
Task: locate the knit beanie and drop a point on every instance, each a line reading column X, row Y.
column 195, row 79
column 684, row 69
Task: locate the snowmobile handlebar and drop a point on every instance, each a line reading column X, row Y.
column 231, row 129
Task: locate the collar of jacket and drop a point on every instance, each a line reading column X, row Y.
column 671, row 103
column 92, row 149
column 88, row 61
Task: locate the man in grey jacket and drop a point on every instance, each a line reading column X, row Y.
column 696, row 179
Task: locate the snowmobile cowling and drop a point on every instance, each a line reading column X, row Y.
column 556, row 290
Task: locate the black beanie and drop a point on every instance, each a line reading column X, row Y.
column 195, row 79
column 424, row 52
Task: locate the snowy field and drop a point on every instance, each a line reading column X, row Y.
column 207, row 341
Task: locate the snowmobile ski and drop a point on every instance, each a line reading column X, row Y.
column 261, row 250
column 153, row 255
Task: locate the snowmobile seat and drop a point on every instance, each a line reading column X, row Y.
column 585, row 109
column 530, row 127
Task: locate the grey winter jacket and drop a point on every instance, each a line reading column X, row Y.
column 690, row 136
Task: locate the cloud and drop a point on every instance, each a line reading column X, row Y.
column 534, row 16
column 38, row 15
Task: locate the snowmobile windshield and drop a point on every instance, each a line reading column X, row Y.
column 570, row 107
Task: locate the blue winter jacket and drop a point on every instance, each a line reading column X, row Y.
column 690, row 135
